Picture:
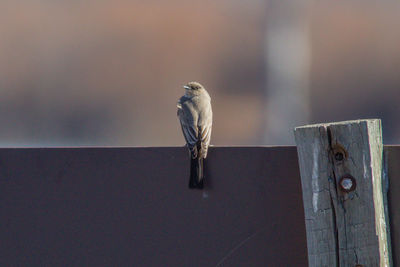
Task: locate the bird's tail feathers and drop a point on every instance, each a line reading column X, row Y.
column 196, row 173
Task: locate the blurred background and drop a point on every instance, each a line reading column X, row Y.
column 109, row 73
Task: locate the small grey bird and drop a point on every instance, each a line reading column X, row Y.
column 195, row 116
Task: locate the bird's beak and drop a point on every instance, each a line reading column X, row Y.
column 186, row 87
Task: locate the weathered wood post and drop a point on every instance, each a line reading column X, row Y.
column 341, row 176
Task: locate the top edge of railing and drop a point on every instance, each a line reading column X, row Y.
column 141, row 147
column 162, row 147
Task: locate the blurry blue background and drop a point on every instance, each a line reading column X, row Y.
column 110, row 72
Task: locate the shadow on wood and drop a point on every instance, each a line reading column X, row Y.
column 132, row 207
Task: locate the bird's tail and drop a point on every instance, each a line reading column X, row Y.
column 196, row 173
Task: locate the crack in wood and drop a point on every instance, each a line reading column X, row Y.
column 333, row 204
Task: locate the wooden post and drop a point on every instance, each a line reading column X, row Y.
column 341, row 176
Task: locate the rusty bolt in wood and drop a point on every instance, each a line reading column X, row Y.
column 347, row 183
column 339, row 156
column 339, row 152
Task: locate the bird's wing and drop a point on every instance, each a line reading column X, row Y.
column 188, row 129
column 205, row 125
column 205, row 134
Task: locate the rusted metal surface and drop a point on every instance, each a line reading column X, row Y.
column 132, row 207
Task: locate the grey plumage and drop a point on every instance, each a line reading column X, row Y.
column 195, row 116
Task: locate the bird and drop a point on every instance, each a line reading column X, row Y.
column 195, row 116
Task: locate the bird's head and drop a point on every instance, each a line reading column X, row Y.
column 193, row 86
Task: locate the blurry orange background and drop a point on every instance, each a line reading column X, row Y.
column 109, row 73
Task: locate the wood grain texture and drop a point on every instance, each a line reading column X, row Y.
column 344, row 228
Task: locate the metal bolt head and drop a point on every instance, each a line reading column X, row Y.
column 347, row 183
